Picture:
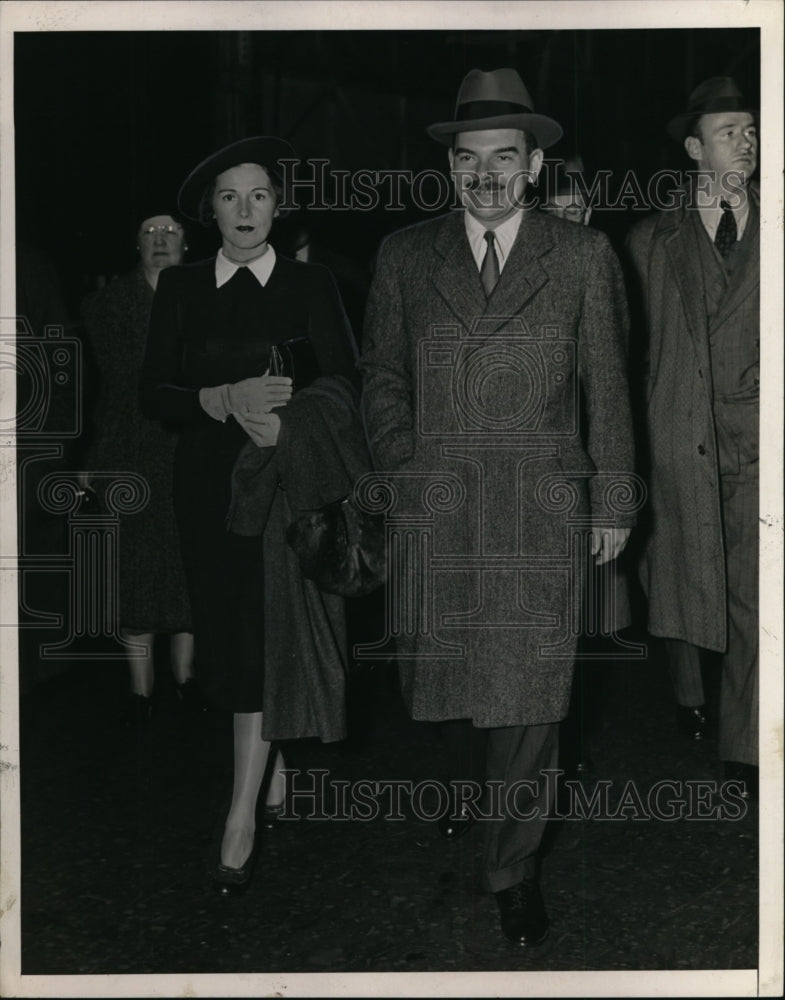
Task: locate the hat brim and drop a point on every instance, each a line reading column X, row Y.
column 677, row 126
column 266, row 150
column 545, row 130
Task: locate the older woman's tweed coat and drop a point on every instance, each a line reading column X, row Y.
column 152, row 595
column 483, row 396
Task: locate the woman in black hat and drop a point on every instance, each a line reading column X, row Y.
column 217, row 327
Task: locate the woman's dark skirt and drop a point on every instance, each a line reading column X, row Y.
column 224, row 572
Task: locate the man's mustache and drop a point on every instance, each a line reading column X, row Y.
column 475, row 183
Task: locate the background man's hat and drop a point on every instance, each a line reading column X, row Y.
column 497, row 99
column 266, row 150
column 715, row 95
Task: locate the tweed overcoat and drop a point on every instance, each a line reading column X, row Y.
column 683, row 567
column 502, row 421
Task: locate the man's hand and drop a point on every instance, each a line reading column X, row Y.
column 262, row 428
column 608, row 543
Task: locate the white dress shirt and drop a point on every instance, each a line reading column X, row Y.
column 504, row 237
column 711, row 215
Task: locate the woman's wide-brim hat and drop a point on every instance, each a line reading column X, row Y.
column 266, row 150
column 497, row 99
column 713, row 96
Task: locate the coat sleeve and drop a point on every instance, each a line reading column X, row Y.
column 163, row 394
column 603, row 342
column 329, row 333
column 385, row 369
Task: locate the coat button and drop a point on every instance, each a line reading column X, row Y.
column 700, row 373
column 701, row 450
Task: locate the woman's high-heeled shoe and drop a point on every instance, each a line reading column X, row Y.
column 137, row 712
column 272, row 816
column 230, row 881
column 190, row 698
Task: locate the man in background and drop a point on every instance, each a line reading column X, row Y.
column 697, row 266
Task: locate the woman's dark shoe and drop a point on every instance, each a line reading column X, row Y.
column 191, row 700
column 230, row 881
column 271, row 818
column 137, row 712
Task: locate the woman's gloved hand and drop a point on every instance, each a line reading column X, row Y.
column 262, row 428
column 259, row 394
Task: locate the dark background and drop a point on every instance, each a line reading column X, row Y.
column 109, row 123
column 119, row 829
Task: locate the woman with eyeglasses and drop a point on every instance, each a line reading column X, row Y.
column 152, row 595
column 270, row 647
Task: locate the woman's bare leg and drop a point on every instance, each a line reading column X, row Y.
column 140, row 662
column 277, row 787
column 181, row 656
column 250, row 761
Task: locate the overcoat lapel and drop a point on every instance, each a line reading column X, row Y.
column 458, row 281
column 523, row 275
column 455, row 275
column 683, row 255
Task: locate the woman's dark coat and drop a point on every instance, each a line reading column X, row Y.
column 189, row 348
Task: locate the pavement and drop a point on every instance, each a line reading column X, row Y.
column 120, row 829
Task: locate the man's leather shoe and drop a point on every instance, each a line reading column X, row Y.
column 746, row 775
column 692, row 722
column 524, row 920
column 457, row 820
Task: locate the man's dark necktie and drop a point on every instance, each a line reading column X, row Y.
column 725, row 237
column 489, row 272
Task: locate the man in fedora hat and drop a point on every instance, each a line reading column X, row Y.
column 482, row 328
column 697, row 266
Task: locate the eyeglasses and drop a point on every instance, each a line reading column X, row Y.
column 152, row 231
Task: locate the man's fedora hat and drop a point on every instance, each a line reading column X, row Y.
column 266, row 150
column 713, row 96
column 497, row 99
